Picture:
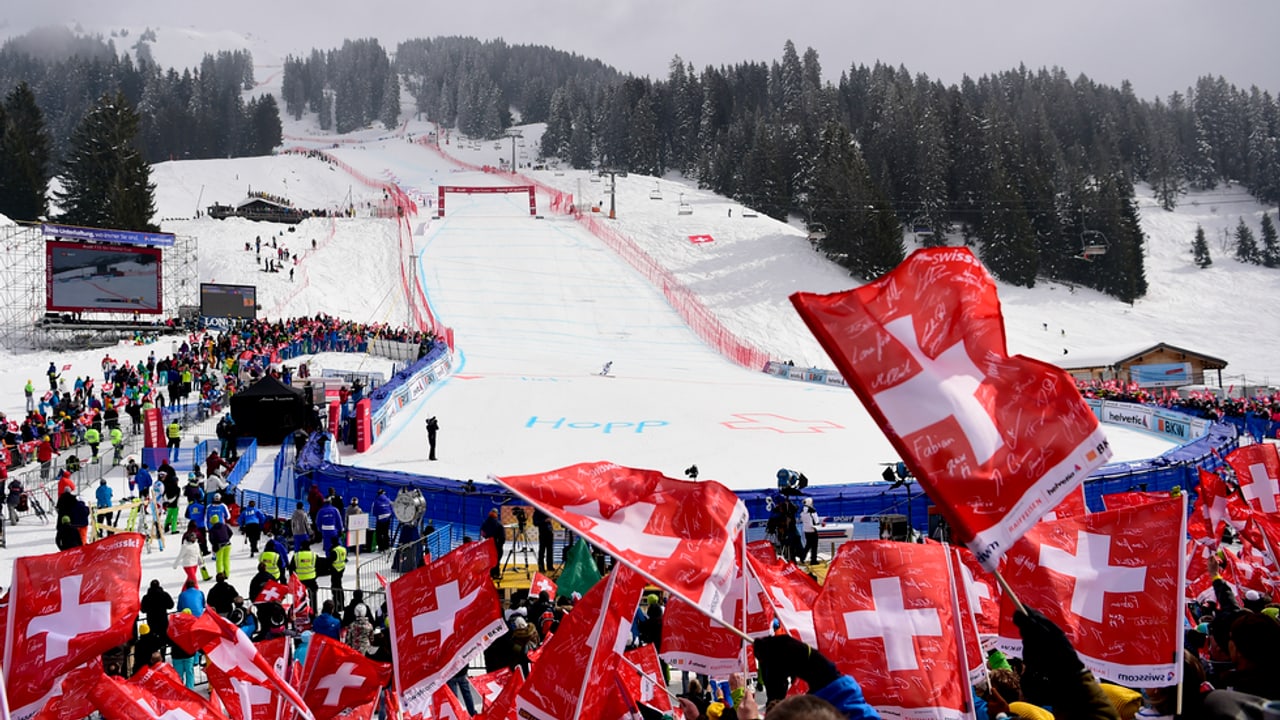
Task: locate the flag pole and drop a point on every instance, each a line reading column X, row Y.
column 643, row 673
column 1009, row 591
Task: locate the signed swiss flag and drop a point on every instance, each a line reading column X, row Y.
column 245, row 699
column 995, row 440
column 789, row 590
column 1113, row 582
column 136, row 701
column 1257, row 469
column 1072, row 504
column 441, row 616
column 490, row 685
column 164, row 684
column 642, row 674
column 983, row 592
column 587, row 647
column 887, row 615
column 274, row 591
column 65, row 609
column 679, row 534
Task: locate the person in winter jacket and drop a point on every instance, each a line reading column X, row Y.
column 329, row 520
column 300, row 526
column 360, row 631
column 198, row 522
column 188, row 555
column 382, row 514
column 251, row 519
column 810, row 521
column 191, row 599
column 156, row 604
column 524, row 639
column 67, row 535
column 220, row 539
column 103, row 494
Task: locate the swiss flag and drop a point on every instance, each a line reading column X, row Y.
column 681, row 535
column 489, row 686
column 887, row 615
column 983, row 592
column 1257, row 469
column 789, row 590
column 1212, row 497
column 588, row 646
column 299, row 596
column 1072, row 504
column 131, row 701
column 70, row 699
column 1133, row 498
column 276, row 592
column 228, row 649
column 503, row 706
column 642, row 674
column 66, row 609
column 967, row 618
column 693, row 641
column 995, row 440
column 245, row 699
column 1113, row 582
column 336, row 677
column 446, row 706
column 541, row 583
column 441, row 615
column 162, row 681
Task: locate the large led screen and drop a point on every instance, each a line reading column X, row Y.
column 228, row 301
column 102, row 278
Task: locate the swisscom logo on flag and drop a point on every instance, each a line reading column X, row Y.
column 441, row 616
column 681, row 535
column 65, row 609
column 996, row 440
column 1113, row 582
column 887, row 615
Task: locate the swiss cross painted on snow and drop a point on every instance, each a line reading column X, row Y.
column 448, row 604
column 625, row 530
column 700, row 239
column 893, row 623
column 1263, row 488
column 73, row 619
column 1093, row 572
column 945, row 387
column 778, row 423
column 339, row 680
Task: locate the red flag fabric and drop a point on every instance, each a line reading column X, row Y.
column 445, row 705
column 64, row 610
column 642, row 674
column 995, row 440
column 588, row 646
column 1257, row 469
column 541, row 583
column 887, row 616
column 1133, row 498
column 966, row 617
column 164, row 684
column 790, row 591
column 298, row 596
column 692, row 642
column 984, row 593
column 441, row 615
column 120, row 700
column 227, row 648
column 1072, row 504
column 504, row 706
column 247, row 700
column 275, row 591
column 1096, row 575
column 1212, row 495
column 489, row 686
column 70, row 698
column 336, row 677
column 679, row 534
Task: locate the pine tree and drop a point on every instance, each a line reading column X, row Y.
column 1200, row 248
column 24, row 157
column 1246, row 246
column 105, row 181
column 390, row 115
column 1270, row 247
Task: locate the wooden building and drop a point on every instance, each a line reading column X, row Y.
column 1158, row 365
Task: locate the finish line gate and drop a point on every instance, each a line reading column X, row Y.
column 469, row 190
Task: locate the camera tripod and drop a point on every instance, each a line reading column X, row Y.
column 519, row 544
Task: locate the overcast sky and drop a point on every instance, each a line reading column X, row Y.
column 1158, row 45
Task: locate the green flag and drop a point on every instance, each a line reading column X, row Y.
column 579, row 572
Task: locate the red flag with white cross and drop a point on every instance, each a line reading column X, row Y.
column 489, row 685
column 642, row 674
column 65, row 609
column 789, row 590
column 274, row 591
column 1113, row 581
column 887, row 615
column 1072, row 504
column 995, row 440
column 164, row 684
column 679, row 534
column 246, row 699
column 442, row 615
column 1257, row 469
column 540, row 584
column 984, row 593
column 120, row 700
column 336, row 676
column 566, row 682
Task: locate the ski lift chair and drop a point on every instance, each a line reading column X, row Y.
column 1093, row 244
column 684, row 208
column 922, row 230
column 749, row 213
column 655, row 193
column 817, row 232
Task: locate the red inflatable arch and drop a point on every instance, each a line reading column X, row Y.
column 533, row 202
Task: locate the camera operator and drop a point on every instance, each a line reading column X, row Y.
column 546, row 541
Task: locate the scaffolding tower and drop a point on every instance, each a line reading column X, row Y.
column 24, row 321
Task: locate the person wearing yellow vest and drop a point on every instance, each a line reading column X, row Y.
column 116, row 436
column 93, row 439
column 337, row 565
column 174, row 433
column 271, row 562
column 304, row 564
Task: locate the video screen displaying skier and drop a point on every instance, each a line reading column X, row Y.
column 228, row 301
column 105, row 278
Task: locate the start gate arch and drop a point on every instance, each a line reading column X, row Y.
column 468, row 190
